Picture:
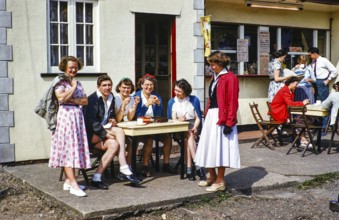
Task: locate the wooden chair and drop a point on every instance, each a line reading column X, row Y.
column 300, row 125
column 265, row 126
column 97, row 155
column 334, row 129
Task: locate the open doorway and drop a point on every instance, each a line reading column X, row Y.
column 153, row 53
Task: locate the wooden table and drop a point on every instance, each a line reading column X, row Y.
column 316, row 111
column 133, row 130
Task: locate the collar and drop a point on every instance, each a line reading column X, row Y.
column 176, row 99
column 222, row 72
column 110, row 97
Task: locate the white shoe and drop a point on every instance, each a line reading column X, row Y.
column 310, row 146
column 67, row 186
column 77, row 192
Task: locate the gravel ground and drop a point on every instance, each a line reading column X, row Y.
column 18, row 201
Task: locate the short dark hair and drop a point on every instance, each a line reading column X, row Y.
column 127, row 82
column 336, row 86
column 184, row 85
column 64, row 61
column 313, row 50
column 103, row 78
column 279, row 53
column 292, row 80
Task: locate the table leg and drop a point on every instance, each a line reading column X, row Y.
column 134, row 155
column 182, row 154
column 319, row 136
column 157, row 154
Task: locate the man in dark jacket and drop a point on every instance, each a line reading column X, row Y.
column 103, row 134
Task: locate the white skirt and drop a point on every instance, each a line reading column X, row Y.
column 216, row 149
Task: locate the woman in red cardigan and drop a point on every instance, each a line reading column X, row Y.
column 218, row 145
column 283, row 99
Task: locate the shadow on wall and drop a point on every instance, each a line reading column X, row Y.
column 242, row 180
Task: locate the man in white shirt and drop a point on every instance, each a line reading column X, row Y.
column 324, row 71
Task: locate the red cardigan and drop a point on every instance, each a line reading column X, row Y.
column 227, row 98
column 281, row 100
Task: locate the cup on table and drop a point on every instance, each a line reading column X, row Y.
column 140, row 121
column 318, row 102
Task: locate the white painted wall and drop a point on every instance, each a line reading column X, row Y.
column 28, row 36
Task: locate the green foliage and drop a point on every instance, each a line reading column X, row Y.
column 318, row 180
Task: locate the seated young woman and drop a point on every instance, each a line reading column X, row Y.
column 283, row 99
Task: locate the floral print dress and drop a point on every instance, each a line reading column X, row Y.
column 274, row 86
column 69, row 145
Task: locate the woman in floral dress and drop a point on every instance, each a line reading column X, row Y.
column 69, row 148
column 276, row 74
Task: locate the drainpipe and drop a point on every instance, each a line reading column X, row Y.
column 331, row 22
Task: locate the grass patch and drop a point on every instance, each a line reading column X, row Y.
column 318, row 180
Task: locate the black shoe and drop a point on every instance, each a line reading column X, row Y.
column 167, row 168
column 191, row 177
column 131, row 178
column 99, row 184
column 201, row 174
column 146, row 171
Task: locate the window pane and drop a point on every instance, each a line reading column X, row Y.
column 89, row 12
column 296, row 40
column 80, row 34
column 54, row 33
column 149, row 34
column 251, row 33
column 54, row 56
column 53, row 16
column 63, row 12
column 233, row 63
column 79, row 11
column 89, row 34
column 64, row 33
column 224, row 37
column 273, row 41
column 89, row 56
column 163, row 33
column 80, row 52
column 64, row 51
column 322, row 42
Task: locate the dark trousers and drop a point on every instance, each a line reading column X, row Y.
column 322, row 91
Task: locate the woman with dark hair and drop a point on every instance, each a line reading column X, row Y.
column 285, row 98
column 151, row 105
column 186, row 107
column 69, row 147
column 276, row 74
column 218, row 146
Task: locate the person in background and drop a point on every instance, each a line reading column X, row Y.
column 276, row 74
column 324, row 72
column 125, row 107
column 218, row 146
column 186, row 107
column 151, row 105
column 304, row 89
column 332, row 102
column 103, row 133
column 69, row 146
column 283, row 99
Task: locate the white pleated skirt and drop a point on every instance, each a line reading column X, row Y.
column 216, row 149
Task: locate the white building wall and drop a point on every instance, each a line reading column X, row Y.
column 28, row 36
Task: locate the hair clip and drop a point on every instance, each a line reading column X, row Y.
column 149, row 76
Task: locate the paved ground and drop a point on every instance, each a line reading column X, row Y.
column 262, row 168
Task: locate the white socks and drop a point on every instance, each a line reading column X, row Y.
column 125, row 170
column 96, row 177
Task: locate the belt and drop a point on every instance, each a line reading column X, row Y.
column 65, row 104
